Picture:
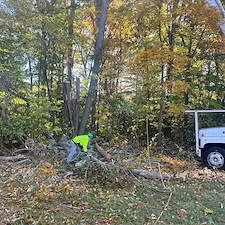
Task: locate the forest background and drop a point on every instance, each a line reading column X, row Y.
column 124, row 70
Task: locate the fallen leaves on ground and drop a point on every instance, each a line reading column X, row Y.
column 41, row 192
column 204, row 174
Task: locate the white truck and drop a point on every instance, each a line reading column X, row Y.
column 210, row 142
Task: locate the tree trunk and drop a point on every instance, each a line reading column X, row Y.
column 160, row 116
column 76, row 122
column 30, row 73
column 96, row 67
column 75, row 108
column 70, row 47
column 93, row 113
column 67, row 103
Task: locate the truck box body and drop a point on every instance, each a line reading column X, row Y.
column 211, row 135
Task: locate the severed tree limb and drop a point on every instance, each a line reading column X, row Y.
column 150, row 174
column 102, row 152
column 13, row 158
column 24, row 160
column 21, row 150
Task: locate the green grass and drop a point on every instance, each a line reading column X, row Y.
column 43, row 194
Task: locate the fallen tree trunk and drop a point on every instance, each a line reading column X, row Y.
column 150, row 174
column 102, row 152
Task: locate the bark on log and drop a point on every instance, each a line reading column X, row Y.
column 150, row 174
column 102, row 152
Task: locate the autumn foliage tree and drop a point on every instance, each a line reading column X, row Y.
column 133, row 67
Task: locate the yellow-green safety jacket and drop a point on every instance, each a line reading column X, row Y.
column 81, row 140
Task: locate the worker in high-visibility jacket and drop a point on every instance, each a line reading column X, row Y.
column 78, row 145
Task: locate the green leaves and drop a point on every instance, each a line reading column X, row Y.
column 159, row 58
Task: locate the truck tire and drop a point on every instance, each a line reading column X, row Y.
column 214, row 158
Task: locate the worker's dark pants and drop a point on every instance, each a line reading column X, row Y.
column 75, row 152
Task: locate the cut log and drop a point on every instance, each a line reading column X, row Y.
column 104, row 154
column 150, row 174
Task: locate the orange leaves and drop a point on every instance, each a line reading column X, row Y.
column 203, row 174
column 64, row 187
column 47, row 168
column 180, row 87
column 176, row 109
column 199, row 13
column 220, row 43
column 159, row 54
column 43, row 194
column 174, row 164
column 177, row 86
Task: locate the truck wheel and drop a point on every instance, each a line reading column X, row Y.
column 214, row 158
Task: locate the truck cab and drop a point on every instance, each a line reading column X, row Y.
column 210, row 142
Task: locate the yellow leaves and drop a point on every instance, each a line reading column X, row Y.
column 18, row 101
column 208, row 211
column 111, row 217
column 64, row 187
column 109, row 196
column 176, row 109
column 178, row 87
column 199, row 187
column 160, row 54
column 174, row 161
column 145, row 153
column 44, row 193
column 116, row 4
column 174, row 164
column 2, row 94
column 47, row 168
column 203, row 174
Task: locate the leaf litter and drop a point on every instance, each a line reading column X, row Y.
column 50, row 192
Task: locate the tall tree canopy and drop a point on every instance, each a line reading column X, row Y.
column 132, row 67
